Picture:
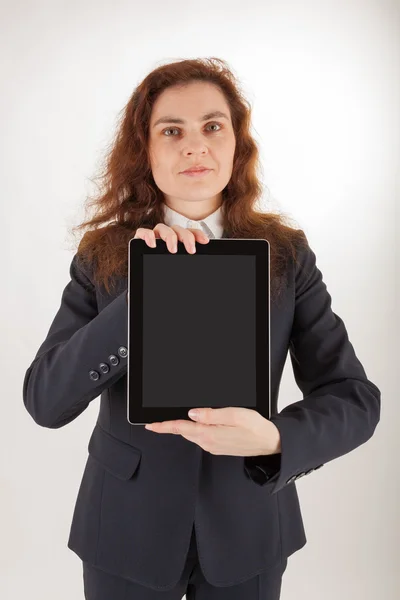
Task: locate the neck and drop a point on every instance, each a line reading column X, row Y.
column 191, row 211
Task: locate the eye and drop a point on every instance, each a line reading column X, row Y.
column 177, row 128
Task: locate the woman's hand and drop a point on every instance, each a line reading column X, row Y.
column 171, row 235
column 233, row 431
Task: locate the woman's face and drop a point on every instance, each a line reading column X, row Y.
column 175, row 147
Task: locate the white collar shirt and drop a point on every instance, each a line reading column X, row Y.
column 213, row 222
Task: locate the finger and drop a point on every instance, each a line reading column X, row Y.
column 172, row 234
column 200, row 235
column 180, row 427
column 151, row 239
column 168, row 235
column 189, row 236
column 146, row 235
column 140, row 233
column 230, row 416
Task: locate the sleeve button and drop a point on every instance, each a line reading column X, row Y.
column 122, row 351
column 104, row 368
column 94, row 375
column 114, row 360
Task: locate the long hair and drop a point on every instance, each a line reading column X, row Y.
column 129, row 198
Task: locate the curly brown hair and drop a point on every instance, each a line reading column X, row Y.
column 129, row 198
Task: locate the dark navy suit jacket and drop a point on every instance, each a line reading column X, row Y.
column 141, row 492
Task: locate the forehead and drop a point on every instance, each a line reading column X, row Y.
column 190, row 102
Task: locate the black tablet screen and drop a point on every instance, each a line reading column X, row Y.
column 199, row 330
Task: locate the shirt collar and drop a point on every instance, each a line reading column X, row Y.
column 213, row 221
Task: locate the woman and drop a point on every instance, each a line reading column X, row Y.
column 206, row 507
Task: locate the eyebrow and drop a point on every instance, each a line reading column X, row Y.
column 211, row 115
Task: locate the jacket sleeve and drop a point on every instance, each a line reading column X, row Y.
column 340, row 408
column 84, row 353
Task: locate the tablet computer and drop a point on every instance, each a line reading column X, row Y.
column 198, row 328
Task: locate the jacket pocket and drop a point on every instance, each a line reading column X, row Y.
column 117, row 457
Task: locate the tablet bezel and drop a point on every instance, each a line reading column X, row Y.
column 137, row 248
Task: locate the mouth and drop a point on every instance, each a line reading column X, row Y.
column 197, row 172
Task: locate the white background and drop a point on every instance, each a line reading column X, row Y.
column 323, row 78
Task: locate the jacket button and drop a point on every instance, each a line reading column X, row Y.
column 319, row 466
column 122, row 351
column 104, row 368
column 309, row 471
column 300, row 475
column 94, row 375
column 114, row 360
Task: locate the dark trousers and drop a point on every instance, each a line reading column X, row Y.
column 99, row 585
